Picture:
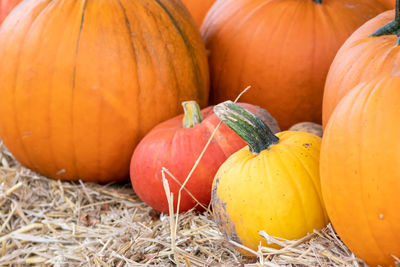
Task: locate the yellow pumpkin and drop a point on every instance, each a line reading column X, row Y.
column 272, row 184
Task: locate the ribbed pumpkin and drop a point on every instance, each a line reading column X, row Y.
column 360, row 174
column 361, row 58
column 283, row 49
column 198, row 8
column 6, row 6
column 176, row 146
column 81, row 82
column 272, row 184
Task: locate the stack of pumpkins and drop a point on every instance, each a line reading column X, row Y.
column 86, row 84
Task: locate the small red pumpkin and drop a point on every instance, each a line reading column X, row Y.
column 6, row 6
column 177, row 148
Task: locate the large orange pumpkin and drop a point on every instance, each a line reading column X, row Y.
column 198, row 8
column 360, row 174
column 6, row 6
column 361, row 58
column 283, row 49
column 81, row 82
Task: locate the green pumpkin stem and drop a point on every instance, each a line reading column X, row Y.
column 248, row 126
column 392, row 28
column 318, row 1
column 192, row 114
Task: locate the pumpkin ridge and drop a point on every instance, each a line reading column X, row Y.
column 314, row 55
column 285, row 41
column 374, row 94
column 14, row 105
column 367, row 98
column 291, row 180
column 269, row 176
column 133, row 46
column 254, row 35
column 356, row 94
column 74, row 153
column 330, row 23
column 189, row 48
column 216, row 83
column 171, row 56
column 50, row 126
column 313, row 182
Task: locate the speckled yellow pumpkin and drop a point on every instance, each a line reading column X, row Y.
column 272, row 184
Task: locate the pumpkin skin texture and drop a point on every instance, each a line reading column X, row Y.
column 176, row 148
column 283, row 49
column 361, row 58
column 390, row 4
column 6, row 6
column 277, row 190
column 81, row 82
column 360, row 175
column 198, row 9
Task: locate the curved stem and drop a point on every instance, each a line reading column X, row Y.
column 392, row 28
column 192, row 114
column 248, row 126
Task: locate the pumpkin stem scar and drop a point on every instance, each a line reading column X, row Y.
column 248, row 126
column 192, row 115
column 392, row 28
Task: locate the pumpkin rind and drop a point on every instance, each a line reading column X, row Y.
column 390, row 4
column 176, row 148
column 198, row 9
column 81, row 82
column 360, row 175
column 282, row 49
column 277, row 190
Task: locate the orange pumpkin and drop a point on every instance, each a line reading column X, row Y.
column 283, row 49
column 198, row 8
column 176, row 146
column 361, row 58
column 360, row 174
column 81, row 82
column 6, row 6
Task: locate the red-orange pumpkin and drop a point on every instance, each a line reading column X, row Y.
column 6, row 6
column 361, row 58
column 360, row 174
column 283, row 49
column 177, row 148
column 198, row 8
column 81, row 82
